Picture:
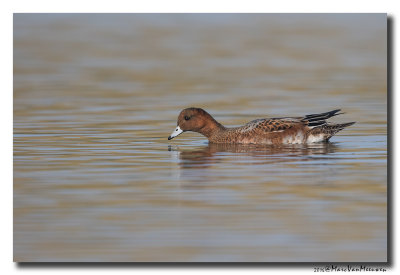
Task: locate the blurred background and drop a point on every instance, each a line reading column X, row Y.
column 97, row 95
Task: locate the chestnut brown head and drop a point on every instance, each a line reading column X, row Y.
column 191, row 119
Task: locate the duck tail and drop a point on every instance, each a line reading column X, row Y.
column 329, row 130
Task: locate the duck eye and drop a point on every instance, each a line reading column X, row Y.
column 187, row 117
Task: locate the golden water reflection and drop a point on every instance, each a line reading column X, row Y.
column 266, row 154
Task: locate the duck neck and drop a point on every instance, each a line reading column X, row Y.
column 211, row 128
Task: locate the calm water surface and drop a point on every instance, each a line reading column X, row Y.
column 96, row 96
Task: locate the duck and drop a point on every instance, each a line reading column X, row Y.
column 306, row 129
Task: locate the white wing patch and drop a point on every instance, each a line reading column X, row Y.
column 294, row 139
column 315, row 138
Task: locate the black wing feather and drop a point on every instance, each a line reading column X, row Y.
column 319, row 119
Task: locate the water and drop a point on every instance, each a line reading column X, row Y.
column 96, row 96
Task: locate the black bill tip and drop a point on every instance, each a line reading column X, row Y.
column 169, row 138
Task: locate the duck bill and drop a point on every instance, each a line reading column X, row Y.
column 175, row 133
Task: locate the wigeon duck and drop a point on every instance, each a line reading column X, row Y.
column 285, row 130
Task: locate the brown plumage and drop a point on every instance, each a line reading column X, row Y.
column 285, row 130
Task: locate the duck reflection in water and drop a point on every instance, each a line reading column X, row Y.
column 211, row 154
